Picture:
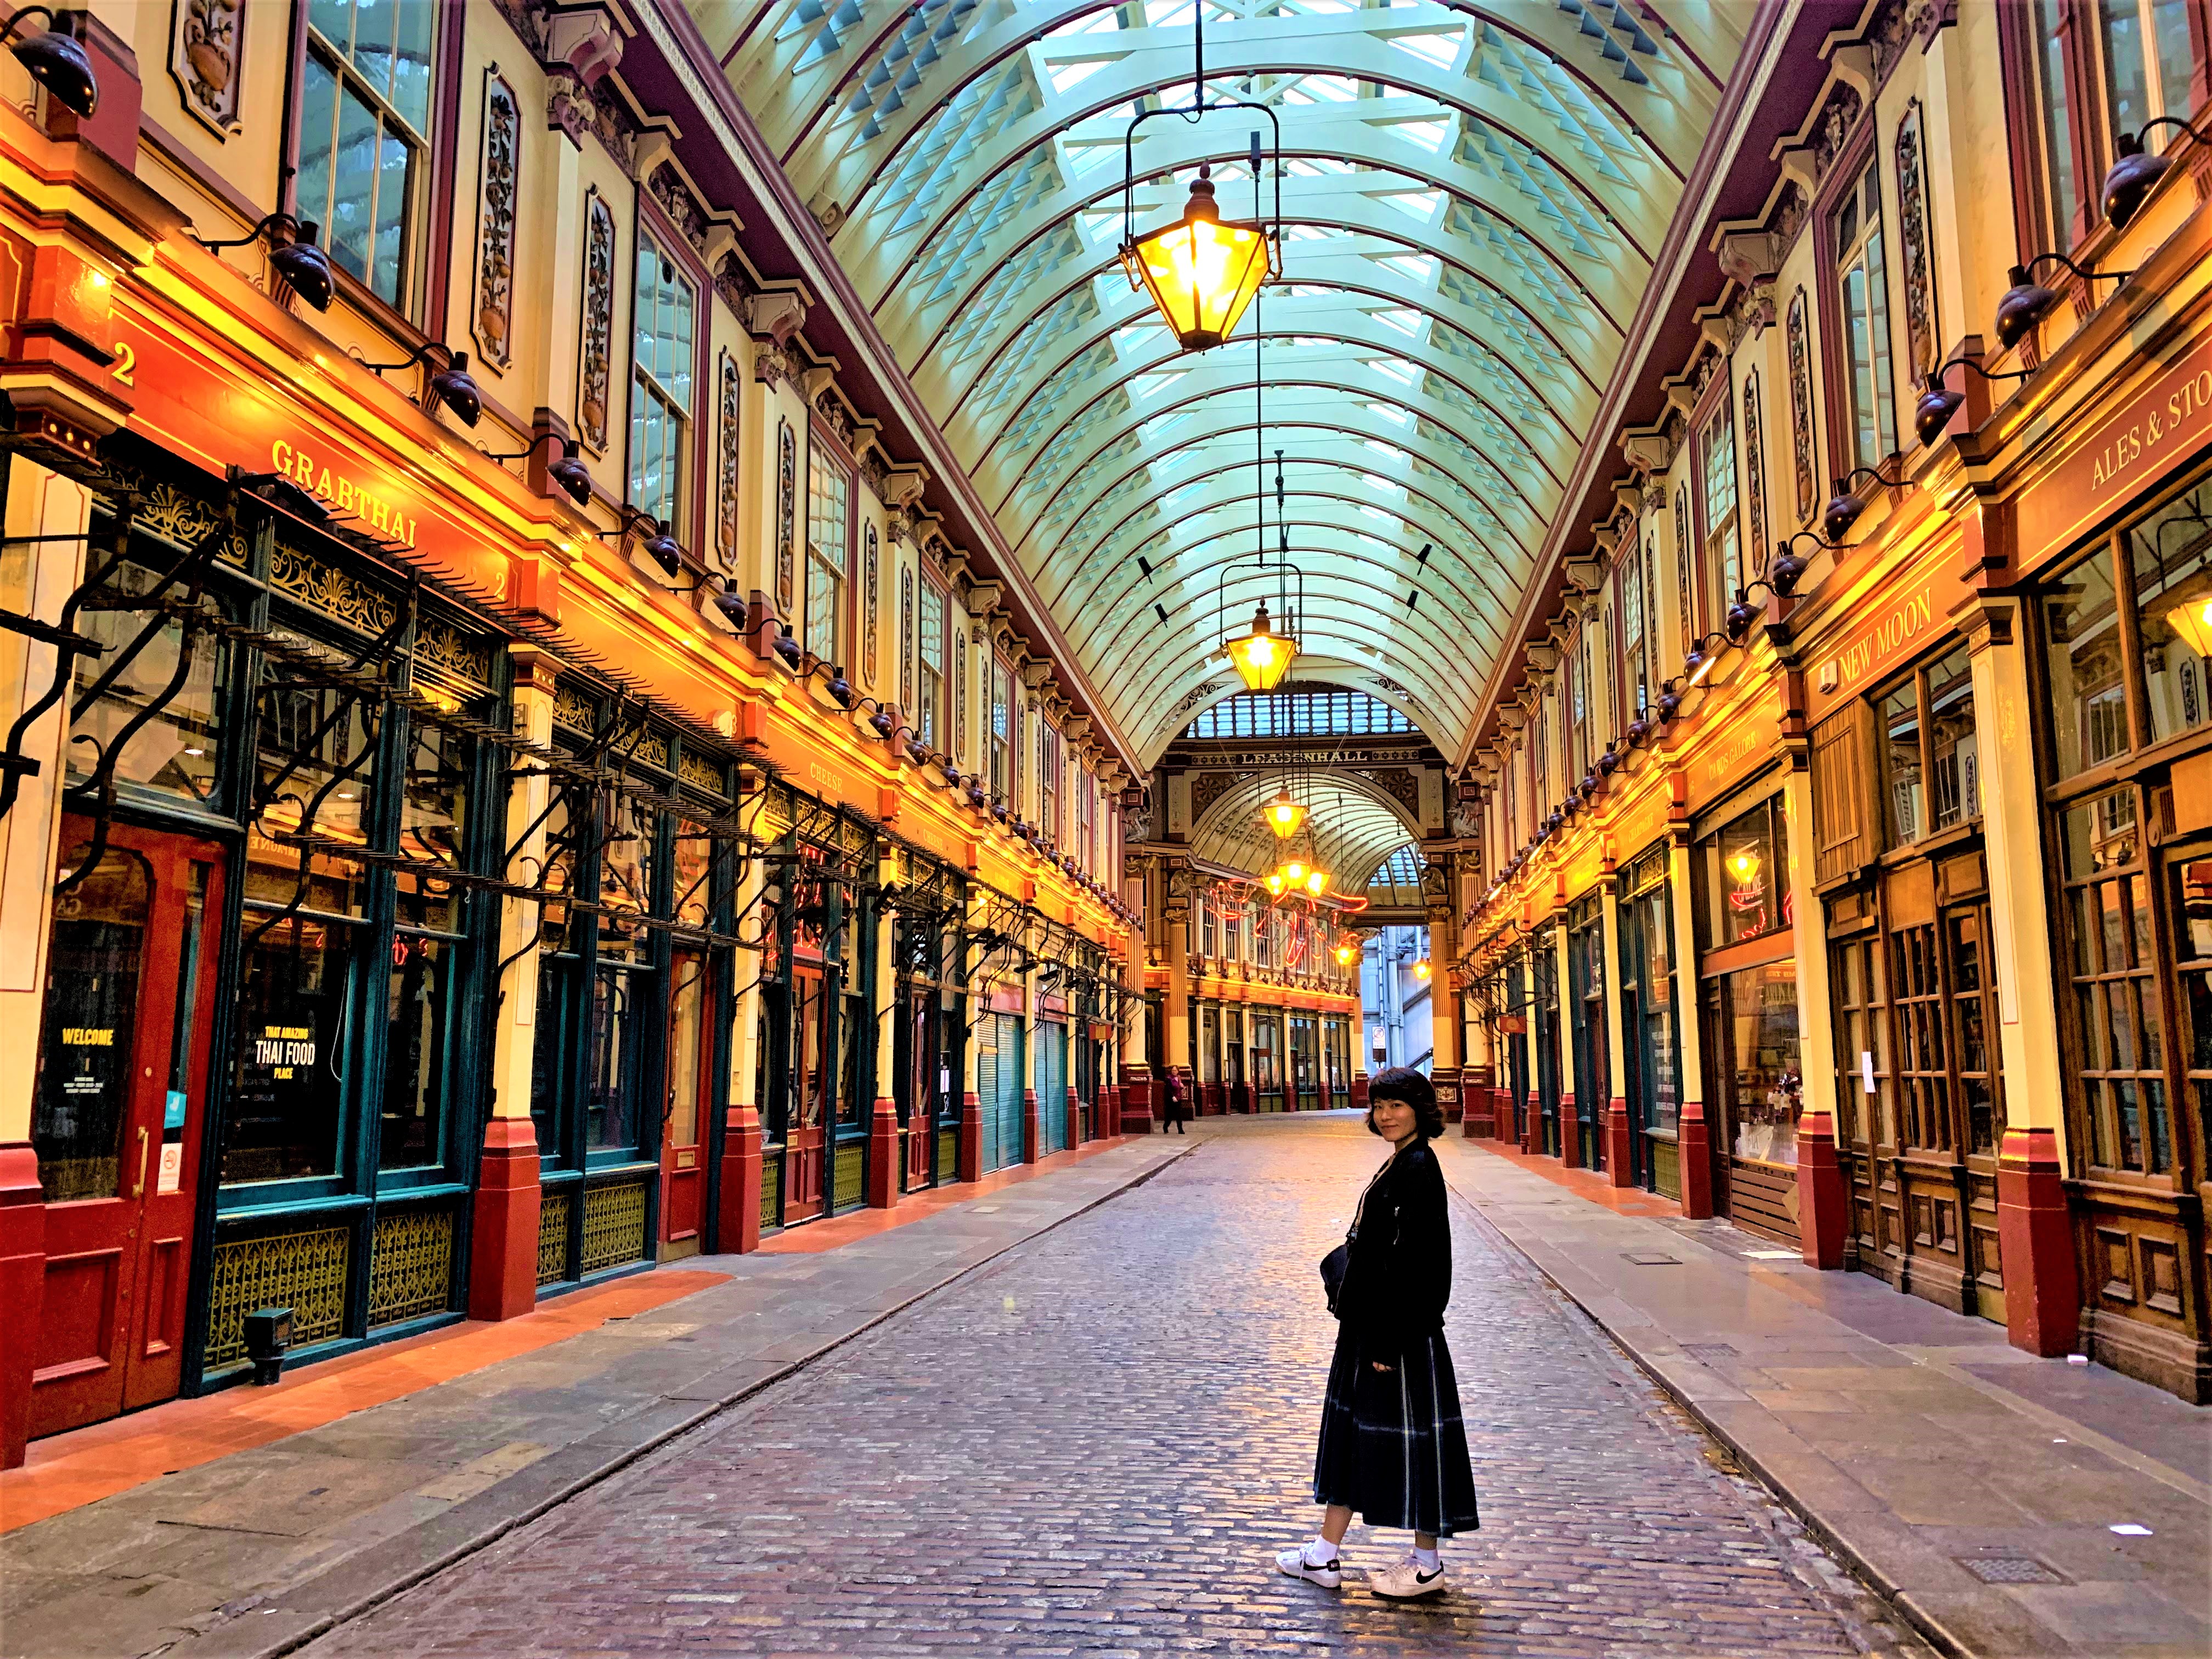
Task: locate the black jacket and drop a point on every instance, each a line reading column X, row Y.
column 1399, row 1279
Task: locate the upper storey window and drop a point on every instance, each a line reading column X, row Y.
column 364, row 127
column 828, row 536
column 660, row 403
column 1863, row 295
column 1723, row 568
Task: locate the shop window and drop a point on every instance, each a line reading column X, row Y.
column 2191, row 889
column 1746, row 873
column 1001, row 732
column 1723, row 541
column 2143, row 48
column 2112, row 968
column 829, row 554
column 660, row 393
column 172, row 754
column 1048, row 783
column 2170, row 556
column 296, row 975
column 428, row 948
column 91, row 1025
column 1758, row 1020
column 2088, row 693
column 364, row 126
column 929, row 701
column 1862, row 297
column 1931, row 767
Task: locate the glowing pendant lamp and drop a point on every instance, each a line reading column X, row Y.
column 1293, row 872
column 1202, row 270
column 2191, row 620
column 1284, row 815
column 1262, row 657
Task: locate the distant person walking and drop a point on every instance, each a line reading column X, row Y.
column 1175, row 1106
column 1392, row 1447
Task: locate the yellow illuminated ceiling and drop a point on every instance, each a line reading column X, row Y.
column 1473, row 194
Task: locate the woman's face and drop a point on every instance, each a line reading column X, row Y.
column 1395, row 1119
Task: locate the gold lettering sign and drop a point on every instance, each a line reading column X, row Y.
column 1890, row 636
column 87, row 1036
column 2126, row 443
column 377, row 513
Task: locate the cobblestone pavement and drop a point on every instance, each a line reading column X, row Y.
column 1094, row 1446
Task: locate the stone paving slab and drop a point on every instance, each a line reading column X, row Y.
column 255, row 1552
column 1913, row 1440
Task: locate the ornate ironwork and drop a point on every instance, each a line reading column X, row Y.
column 554, row 1211
column 410, row 1265
column 614, row 1226
column 304, row 1271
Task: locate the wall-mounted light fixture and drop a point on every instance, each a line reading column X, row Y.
column 55, row 59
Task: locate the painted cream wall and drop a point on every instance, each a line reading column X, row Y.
column 248, row 158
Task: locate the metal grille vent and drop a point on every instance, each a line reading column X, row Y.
column 410, row 1265
column 305, row 1271
column 614, row 1226
column 553, row 1212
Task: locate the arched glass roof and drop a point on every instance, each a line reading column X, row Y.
column 1355, row 826
column 1473, row 194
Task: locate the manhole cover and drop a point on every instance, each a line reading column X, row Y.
column 1651, row 1258
column 2010, row 1570
column 1705, row 1353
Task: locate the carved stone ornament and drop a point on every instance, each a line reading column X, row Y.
column 1754, row 466
column 1920, row 323
column 872, row 597
column 496, row 185
column 207, row 50
column 1682, row 561
column 1801, row 406
column 786, row 515
column 775, row 315
column 906, row 638
column 593, row 368
column 725, row 464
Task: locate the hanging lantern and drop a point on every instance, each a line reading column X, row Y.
column 1275, row 885
column 1421, row 971
column 1345, row 954
column 1262, row 657
column 1293, row 872
column 1202, row 270
column 1284, row 815
column 1316, row 881
column 2192, row 621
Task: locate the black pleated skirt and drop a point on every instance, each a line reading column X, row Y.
column 1393, row 1446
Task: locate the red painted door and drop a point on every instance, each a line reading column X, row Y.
column 122, row 1086
column 803, row 1147
column 683, row 1158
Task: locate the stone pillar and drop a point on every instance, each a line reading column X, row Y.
column 885, row 1149
column 1619, row 1132
column 738, row 1218
column 503, row 1232
column 2035, row 1229
column 1823, row 1205
column 1444, row 1027
column 1174, row 1030
column 36, row 579
column 1816, row 1028
column 1694, row 1132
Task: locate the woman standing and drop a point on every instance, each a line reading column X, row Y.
column 1392, row 1447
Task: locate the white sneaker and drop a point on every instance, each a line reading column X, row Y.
column 1407, row 1582
column 1293, row 1561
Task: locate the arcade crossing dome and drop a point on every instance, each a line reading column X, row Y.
column 1473, row 197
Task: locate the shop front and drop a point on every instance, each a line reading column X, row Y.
column 1266, row 1058
column 1903, row 880
column 1650, row 1033
column 930, row 1027
column 1748, row 981
column 1549, row 1104
column 2123, row 643
column 1583, row 1129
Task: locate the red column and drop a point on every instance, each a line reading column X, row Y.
column 1532, row 1127
column 738, row 1228
column 22, row 1291
column 1480, row 1115
column 1110, row 1111
column 1074, row 1118
column 1361, row 1081
column 1617, row 1143
column 1693, row 1147
column 883, row 1154
column 1137, row 1101
column 1029, row 1126
column 503, row 1233
column 1450, row 1095
column 1570, row 1134
column 2035, row 1232
column 970, row 1158
column 1823, row 1222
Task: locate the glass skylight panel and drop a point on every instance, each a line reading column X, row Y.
column 1334, row 714
column 1396, row 369
column 1429, row 136
column 1441, row 48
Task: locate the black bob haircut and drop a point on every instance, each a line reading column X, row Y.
column 1404, row 1083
